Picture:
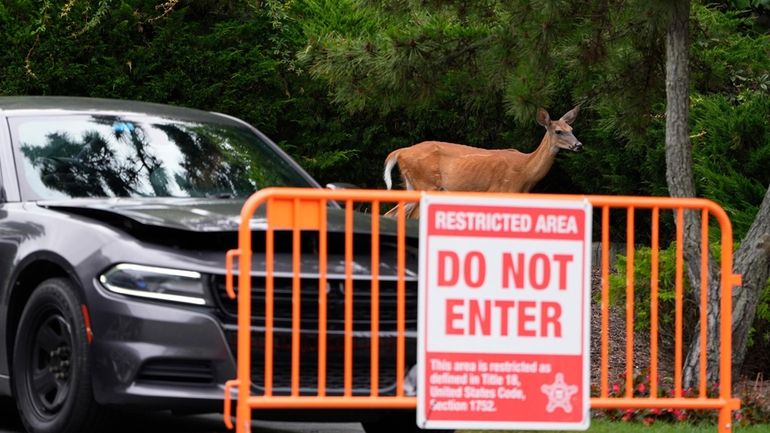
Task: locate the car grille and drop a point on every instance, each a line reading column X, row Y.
column 308, row 363
column 361, row 342
column 176, row 371
column 335, row 298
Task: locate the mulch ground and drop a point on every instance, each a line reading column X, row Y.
column 616, row 337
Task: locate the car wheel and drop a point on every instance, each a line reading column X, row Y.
column 51, row 361
column 400, row 422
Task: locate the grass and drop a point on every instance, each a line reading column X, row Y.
column 629, row 427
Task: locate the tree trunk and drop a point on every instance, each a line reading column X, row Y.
column 752, row 260
column 679, row 175
column 678, row 150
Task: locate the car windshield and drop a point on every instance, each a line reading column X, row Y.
column 147, row 156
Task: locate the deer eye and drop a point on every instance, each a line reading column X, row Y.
column 558, row 131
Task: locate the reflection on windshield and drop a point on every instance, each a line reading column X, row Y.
column 113, row 156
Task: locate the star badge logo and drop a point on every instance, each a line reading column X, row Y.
column 559, row 394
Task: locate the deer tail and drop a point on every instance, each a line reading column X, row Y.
column 390, row 161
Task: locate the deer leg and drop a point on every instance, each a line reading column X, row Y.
column 393, row 212
column 411, row 211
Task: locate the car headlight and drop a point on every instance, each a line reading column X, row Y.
column 151, row 282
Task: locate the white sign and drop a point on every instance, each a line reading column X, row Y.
column 504, row 310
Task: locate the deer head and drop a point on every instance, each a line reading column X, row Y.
column 559, row 132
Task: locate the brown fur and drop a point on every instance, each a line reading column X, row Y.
column 440, row 166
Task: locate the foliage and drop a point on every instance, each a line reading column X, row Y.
column 642, row 274
column 729, row 55
column 641, row 389
column 755, row 407
column 759, row 341
column 746, row 4
column 604, row 426
column 759, row 336
column 371, row 76
column 235, row 57
column 730, row 108
column 755, row 403
column 495, row 62
column 474, row 73
column 740, row 129
column 388, row 68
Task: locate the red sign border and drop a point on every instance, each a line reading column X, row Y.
column 433, row 201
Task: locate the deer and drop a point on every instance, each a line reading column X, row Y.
column 441, row 166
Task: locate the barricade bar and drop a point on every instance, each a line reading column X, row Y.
column 663, row 403
column 630, row 302
column 330, row 402
column 654, row 304
column 678, row 299
column 300, row 212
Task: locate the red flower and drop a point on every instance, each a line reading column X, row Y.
column 679, row 415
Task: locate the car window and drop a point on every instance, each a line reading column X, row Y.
column 146, row 156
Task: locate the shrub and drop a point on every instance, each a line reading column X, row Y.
column 759, row 336
column 642, row 290
column 755, row 404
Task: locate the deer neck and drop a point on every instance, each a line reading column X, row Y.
column 541, row 160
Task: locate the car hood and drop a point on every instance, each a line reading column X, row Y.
column 201, row 215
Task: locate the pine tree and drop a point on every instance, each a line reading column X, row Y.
column 626, row 61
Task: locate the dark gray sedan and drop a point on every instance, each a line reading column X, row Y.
column 115, row 218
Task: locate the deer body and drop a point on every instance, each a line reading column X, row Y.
column 427, row 165
column 440, row 166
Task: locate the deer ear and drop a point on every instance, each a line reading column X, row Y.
column 543, row 118
column 571, row 115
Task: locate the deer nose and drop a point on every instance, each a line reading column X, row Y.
column 577, row 146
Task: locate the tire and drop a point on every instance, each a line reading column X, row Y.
column 397, row 422
column 51, row 362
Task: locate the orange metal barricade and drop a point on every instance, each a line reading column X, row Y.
column 295, row 211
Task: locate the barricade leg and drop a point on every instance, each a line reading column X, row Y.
column 725, row 426
column 243, row 417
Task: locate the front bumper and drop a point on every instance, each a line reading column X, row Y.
column 157, row 355
column 153, row 354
